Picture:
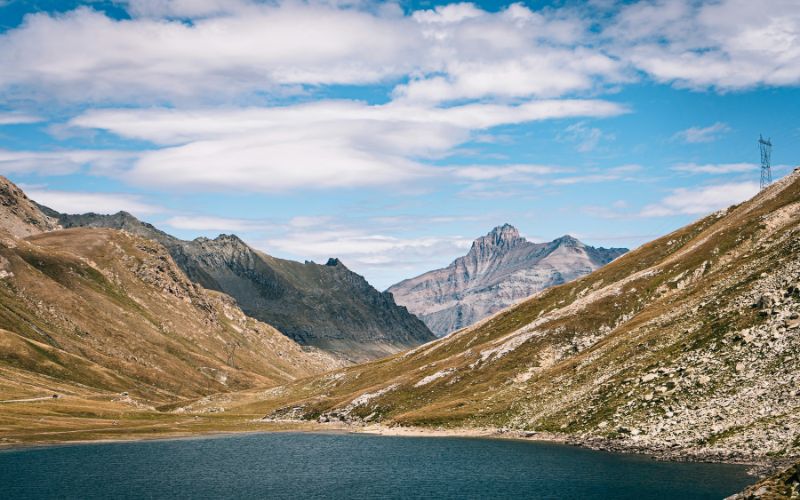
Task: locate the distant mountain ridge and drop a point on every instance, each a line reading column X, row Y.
column 326, row 306
column 500, row 269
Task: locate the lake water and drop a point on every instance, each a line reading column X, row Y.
column 299, row 466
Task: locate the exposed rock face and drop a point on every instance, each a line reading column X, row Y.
column 500, row 269
column 19, row 216
column 326, row 306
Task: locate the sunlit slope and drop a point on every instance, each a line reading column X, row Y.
column 689, row 341
column 102, row 310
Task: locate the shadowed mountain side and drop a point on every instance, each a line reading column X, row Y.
column 326, row 306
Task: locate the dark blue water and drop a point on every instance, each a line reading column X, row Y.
column 299, row 466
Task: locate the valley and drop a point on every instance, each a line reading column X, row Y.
column 685, row 348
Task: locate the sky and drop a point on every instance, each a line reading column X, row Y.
column 392, row 134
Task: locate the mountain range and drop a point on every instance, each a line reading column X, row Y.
column 688, row 346
column 106, row 319
column 499, row 270
column 322, row 305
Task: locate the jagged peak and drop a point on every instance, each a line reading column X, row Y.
column 333, row 261
column 506, row 232
column 500, row 236
column 228, row 237
column 568, row 241
column 221, row 239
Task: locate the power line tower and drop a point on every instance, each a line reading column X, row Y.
column 766, row 153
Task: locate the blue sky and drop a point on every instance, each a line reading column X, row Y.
column 392, row 134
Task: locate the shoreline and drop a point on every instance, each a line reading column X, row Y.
column 758, row 466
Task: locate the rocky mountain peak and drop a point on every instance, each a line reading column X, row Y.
column 568, row 241
column 229, row 238
column 498, row 239
column 223, row 240
column 501, row 268
column 504, row 233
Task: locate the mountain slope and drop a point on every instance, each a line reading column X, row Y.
column 689, row 344
column 326, row 306
column 500, row 269
column 20, row 216
column 97, row 311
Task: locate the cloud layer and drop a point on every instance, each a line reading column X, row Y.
column 217, row 51
column 328, row 144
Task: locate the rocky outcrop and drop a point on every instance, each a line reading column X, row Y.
column 500, row 269
column 785, row 484
column 20, row 216
column 325, row 306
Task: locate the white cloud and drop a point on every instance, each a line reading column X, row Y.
column 237, row 48
column 64, row 162
column 85, row 56
column 212, row 223
column 241, row 47
column 79, row 202
column 506, row 173
column 702, row 200
column 725, row 44
column 327, row 144
column 717, row 168
column 695, row 135
column 191, row 9
column 586, row 138
column 7, row 118
column 539, row 175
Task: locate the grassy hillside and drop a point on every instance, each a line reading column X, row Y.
column 90, row 311
column 691, row 342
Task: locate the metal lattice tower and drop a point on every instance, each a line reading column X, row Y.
column 766, row 153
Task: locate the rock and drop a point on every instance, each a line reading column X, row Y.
column 766, row 301
column 649, row 377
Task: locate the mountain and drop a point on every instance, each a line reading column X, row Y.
column 326, row 306
column 500, row 269
column 687, row 346
column 106, row 320
column 20, row 216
